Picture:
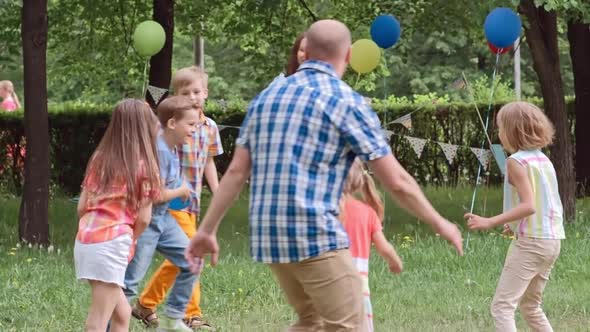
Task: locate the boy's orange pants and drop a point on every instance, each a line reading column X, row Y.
column 163, row 279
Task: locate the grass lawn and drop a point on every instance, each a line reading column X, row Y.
column 438, row 291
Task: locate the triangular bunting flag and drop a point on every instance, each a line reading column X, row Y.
column 405, row 121
column 483, row 156
column 156, row 93
column 417, row 144
column 450, row 151
column 387, row 134
column 500, row 157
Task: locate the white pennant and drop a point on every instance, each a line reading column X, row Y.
column 483, row 156
column 156, row 93
column 405, row 121
column 417, row 144
column 387, row 134
column 450, row 151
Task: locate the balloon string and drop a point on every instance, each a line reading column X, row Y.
column 143, row 92
column 492, row 91
column 384, row 77
column 358, row 77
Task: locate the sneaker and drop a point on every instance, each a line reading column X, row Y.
column 198, row 324
column 168, row 324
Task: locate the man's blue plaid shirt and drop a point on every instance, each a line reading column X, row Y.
column 303, row 132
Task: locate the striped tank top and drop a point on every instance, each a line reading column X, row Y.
column 547, row 221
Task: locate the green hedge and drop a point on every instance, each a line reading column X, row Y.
column 76, row 129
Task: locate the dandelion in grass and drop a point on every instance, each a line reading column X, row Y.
column 13, row 249
column 11, row 253
column 29, row 260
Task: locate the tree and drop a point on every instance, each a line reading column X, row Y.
column 541, row 36
column 34, row 209
column 161, row 63
column 579, row 38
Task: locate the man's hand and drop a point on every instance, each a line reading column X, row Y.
column 451, row 233
column 200, row 245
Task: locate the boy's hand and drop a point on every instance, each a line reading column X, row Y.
column 185, row 191
column 475, row 222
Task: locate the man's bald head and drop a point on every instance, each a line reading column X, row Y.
column 328, row 40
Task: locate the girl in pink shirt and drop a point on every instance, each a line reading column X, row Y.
column 9, row 99
column 362, row 221
column 122, row 180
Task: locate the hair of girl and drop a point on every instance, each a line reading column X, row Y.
column 126, row 152
column 293, row 63
column 360, row 181
column 524, row 126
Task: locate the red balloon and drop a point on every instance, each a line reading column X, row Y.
column 496, row 50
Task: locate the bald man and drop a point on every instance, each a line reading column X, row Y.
column 297, row 143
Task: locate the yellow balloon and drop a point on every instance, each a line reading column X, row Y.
column 365, row 56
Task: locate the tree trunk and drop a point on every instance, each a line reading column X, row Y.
column 541, row 36
column 161, row 63
column 33, row 219
column 579, row 38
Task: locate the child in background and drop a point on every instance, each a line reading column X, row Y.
column 115, row 207
column 362, row 220
column 196, row 158
column 532, row 211
column 178, row 118
column 10, row 101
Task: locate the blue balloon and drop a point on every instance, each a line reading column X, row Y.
column 385, row 31
column 502, row 27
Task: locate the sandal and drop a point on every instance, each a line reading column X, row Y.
column 145, row 315
column 198, row 324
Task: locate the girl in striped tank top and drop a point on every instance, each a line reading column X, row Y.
column 362, row 221
column 532, row 212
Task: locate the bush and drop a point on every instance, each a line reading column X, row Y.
column 76, row 129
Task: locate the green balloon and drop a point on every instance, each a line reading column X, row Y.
column 365, row 56
column 149, row 38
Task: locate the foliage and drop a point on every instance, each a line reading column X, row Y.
column 574, row 10
column 483, row 89
column 90, row 56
